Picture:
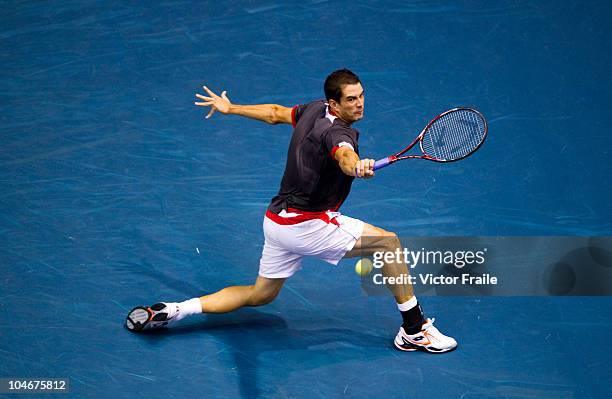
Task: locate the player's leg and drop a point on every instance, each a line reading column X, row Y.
column 416, row 331
column 226, row 300
column 374, row 239
column 275, row 266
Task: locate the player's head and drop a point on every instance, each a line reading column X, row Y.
column 344, row 95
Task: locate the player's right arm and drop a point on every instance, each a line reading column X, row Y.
column 351, row 165
column 269, row 113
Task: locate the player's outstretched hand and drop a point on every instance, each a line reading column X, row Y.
column 215, row 102
column 364, row 168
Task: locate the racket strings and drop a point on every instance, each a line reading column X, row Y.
column 454, row 135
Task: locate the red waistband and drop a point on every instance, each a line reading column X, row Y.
column 302, row 216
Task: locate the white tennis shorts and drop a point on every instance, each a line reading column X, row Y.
column 286, row 241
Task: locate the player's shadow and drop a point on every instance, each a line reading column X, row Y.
column 146, row 268
column 250, row 334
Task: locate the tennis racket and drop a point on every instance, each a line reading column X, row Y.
column 450, row 136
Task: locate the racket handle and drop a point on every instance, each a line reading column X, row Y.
column 381, row 163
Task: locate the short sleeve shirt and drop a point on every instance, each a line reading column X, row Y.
column 313, row 180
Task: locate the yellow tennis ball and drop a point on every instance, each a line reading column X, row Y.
column 363, row 267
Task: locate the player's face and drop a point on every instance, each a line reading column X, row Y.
column 350, row 107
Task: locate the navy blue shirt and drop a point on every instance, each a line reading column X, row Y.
column 313, row 180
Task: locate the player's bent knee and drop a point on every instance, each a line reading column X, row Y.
column 263, row 295
column 390, row 241
column 395, row 240
column 262, row 298
column 374, row 239
column 269, row 298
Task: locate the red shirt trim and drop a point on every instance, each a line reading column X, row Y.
column 333, row 152
column 293, row 111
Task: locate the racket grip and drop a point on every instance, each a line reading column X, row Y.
column 381, row 163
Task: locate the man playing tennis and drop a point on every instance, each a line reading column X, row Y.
column 303, row 218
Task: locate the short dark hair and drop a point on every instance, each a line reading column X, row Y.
column 335, row 81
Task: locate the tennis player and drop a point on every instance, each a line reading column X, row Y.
column 303, row 218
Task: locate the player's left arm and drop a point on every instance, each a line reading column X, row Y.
column 269, row 113
column 351, row 165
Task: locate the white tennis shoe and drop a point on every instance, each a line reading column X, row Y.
column 155, row 316
column 429, row 339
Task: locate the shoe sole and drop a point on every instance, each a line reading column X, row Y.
column 421, row 348
column 424, row 349
column 412, row 348
column 138, row 318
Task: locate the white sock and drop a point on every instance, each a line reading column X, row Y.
column 409, row 304
column 188, row 308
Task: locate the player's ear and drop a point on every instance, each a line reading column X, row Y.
column 333, row 105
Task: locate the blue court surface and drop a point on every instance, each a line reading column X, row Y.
column 116, row 192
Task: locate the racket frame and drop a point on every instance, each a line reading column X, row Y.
column 381, row 163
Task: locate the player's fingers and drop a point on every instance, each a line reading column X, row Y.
column 203, row 97
column 209, row 91
column 363, row 166
column 212, row 111
column 224, row 95
column 367, row 169
column 204, row 104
